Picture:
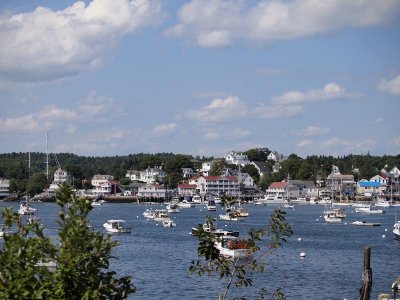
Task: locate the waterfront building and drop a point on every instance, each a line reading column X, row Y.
column 216, row 185
column 277, row 188
column 102, row 184
column 4, row 187
column 185, row 189
column 370, row 188
column 152, row 191
column 340, row 183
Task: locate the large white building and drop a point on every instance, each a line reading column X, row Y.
column 152, row 191
column 149, row 175
column 102, row 184
column 217, row 185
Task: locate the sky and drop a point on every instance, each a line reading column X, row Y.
column 200, row 77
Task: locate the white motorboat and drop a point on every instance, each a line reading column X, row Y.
column 396, row 230
column 161, row 215
column 149, row 213
column 210, row 228
column 173, row 207
column 233, row 247
column 26, row 209
column 270, row 199
column 169, row 223
column 288, row 205
column 368, row 210
column 228, row 217
column 185, row 204
column 96, row 203
column 364, row 223
column 3, row 231
column 330, row 217
column 196, row 199
column 241, row 212
column 116, row 226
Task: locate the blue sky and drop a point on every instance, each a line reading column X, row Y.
column 200, row 77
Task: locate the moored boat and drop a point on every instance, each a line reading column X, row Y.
column 228, row 217
column 241, row 212
column 364, row 223
column 396, row 230
column 233, row 247
column 116, row 226
column 26, row 209
column 368, row 210
column 168, row 223
column 330, row 217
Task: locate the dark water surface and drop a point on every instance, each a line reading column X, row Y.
column 158, row 258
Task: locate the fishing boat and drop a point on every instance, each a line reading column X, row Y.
column 185, row 204
column 161, row 215
column 211, row 205
column 330, row 217
column 116, row 226
column 210, row 228
column 233, row 247
column 149, row 214
column 168, row 223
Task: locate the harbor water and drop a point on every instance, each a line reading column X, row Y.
column 158, row 258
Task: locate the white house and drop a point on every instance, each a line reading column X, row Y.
column 152, row 174
column 237, row 158
column 275, row 156
column 369, row 188
column 188, row 173
column 382, row 179
column 245, row 179
column 277, row 188
column 4, row 187
column 60, row 176
column 152, row 190
column 133, row 175
column 216, row 185
column 102, row 184
column 206, row 167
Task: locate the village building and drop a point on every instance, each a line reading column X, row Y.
column 152, row 191
column 188, row 173
column 261, row 167
column 4, row 187
column 60, row 176
column 185, row 189
column 237, row 158
column 216, row 185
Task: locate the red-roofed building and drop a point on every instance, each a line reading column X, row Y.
column 277, row 188
column 216, row 185
column 185, row 189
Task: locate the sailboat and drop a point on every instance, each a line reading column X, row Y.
column 396, row 229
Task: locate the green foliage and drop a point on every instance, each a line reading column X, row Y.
column 252, row 171
column 36, row 184
column 258, row 154
column 82, row 258
column 239, row 272
column 218, row 168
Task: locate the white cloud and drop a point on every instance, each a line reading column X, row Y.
column 312, row 131
column 165, row 128
column 94, row 105
column 211, row 135
column 219, row 110
column 218, row 23
column 114, row 134
column 304, row 143
column 377, row 121
column 23, row 123
column 239, row 133
column 396, row 141
column 390, row 86
column 348, row 146
column 44, row 45
column 329, row 91
column 274, row 111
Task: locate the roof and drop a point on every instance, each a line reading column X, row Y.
column 262, row 166
column 186, row 186
column 278, row 185
column 369, row 184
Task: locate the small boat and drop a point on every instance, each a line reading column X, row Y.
column 233, row 247
column 173, row 207
column 196, row 199
column 149, row 213
column 207, row 227
column 169, row 223
column 185, row 204
column 228, row 217
column 396, row 230
column 288, row 205
column 26, row 209
column 96, row 203
column 116, row 226
column 3, row 231
column 211, row 205
column 364, row 223
column 368, row 210
column 161, row 215
column 340, row 212
column 330, row 217
column 241, row 212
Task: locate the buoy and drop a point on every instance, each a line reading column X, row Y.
column 383, row 235
column 299, row 239
column 226, row 225
column 345, row 223
column 316, row 219
column 302, row 254
column 385, row 229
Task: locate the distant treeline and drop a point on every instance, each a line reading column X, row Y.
column 25, row 178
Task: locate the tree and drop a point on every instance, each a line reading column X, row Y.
column 236, row 271
column 81, row 259
column 252, row 171
column 218, row 168
column 36, row 184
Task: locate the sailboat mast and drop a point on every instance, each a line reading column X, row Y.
column 47, row 156
column 29, row 159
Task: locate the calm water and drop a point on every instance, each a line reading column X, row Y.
column 158, row 258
